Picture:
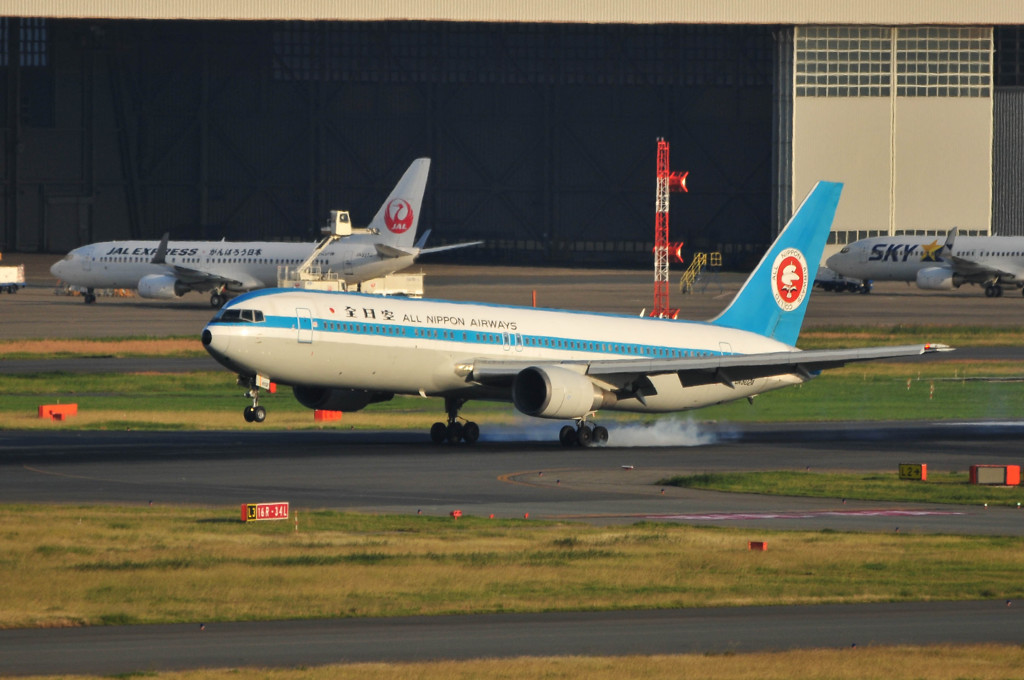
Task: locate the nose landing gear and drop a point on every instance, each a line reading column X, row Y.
column 254, row 413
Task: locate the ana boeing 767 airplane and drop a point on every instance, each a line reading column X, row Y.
column 166, row 270
column 343, row 351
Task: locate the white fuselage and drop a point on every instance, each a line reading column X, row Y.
column 122, row 264
column 429, row 347
column 900, row 258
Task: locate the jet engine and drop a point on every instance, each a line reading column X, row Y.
column 938, row 278
column 161, row 287
column 329, row 399
column 555, row 392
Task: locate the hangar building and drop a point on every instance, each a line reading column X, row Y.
column 243, row 120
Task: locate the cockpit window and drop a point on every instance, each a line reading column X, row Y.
column 845, row 250
column 237, row 315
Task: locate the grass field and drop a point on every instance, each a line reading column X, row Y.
column 126, row 565
column 940, row 662
column 943, row 487
column 938, row 390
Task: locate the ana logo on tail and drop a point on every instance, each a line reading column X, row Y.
column 789, row 279
column 398, row 216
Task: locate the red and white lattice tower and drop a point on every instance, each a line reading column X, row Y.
column 668, row 181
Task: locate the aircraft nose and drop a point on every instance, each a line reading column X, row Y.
column 215, row 343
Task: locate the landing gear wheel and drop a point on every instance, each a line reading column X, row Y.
column 89, row 298
column 254, row 413
column 600, row 435
column 994, row 290
column 567, row 436
column 438, row 433
column 584, row 435
column 217, row 300
column 454, row 432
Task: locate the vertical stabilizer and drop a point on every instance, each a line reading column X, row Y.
column 399, row 216
column 774, row 298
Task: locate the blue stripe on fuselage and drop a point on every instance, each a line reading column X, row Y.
column 499, row 339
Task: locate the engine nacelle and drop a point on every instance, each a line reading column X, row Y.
column 161, row 287
column 555, row 392
column 938, row 278
column 328, row 399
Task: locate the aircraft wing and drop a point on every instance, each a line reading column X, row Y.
column 972, row 270
column 203, row 280
column 197, row 279
column 391, row 251
column 709, row 370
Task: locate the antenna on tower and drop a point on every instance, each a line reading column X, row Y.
column 668, row 182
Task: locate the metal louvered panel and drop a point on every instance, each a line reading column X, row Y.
column 1008, row 162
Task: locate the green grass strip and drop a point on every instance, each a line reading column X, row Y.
column 948, row 487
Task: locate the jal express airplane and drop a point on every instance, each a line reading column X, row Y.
column 343, row 351
column 989, row 261
column 166, row 270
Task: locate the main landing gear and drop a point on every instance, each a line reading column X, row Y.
column 583, row 434
column 217, row 298
column 254, row 413
column 89, row 297
column 993, row 290
column 453, row 431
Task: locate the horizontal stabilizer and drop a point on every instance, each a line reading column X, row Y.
column 391, row 251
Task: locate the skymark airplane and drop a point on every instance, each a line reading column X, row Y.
column 989, row 261
column 165, row 270
column 343, row 351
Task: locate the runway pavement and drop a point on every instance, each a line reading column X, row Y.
column 513, row 471
column 121, row 650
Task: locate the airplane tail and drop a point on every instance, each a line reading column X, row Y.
column 774, row 298
column 399, row 216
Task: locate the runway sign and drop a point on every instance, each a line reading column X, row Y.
column 255, row 512
column 916, row 471
column 999, row 475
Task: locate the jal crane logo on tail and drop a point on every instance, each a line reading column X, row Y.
column 789, row 279
column 398, row 216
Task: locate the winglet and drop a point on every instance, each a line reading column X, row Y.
column 774, row 298
column 950, row 238
column 160, row 257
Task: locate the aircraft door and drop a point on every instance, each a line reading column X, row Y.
column 519, row 342
column 505, row 341
column 304, row 320
column 726, row 348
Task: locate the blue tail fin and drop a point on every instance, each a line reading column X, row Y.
column 774, row 298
